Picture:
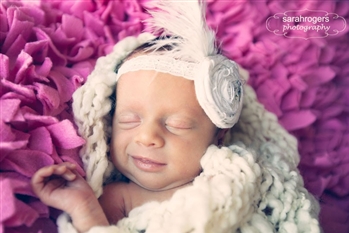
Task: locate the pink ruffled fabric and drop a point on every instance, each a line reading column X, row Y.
column 306, row 84
column 47, row 49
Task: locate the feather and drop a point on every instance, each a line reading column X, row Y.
column 182, row 27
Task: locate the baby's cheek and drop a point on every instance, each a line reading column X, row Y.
column 200, row 146
column 116, row 148
column 193, row 168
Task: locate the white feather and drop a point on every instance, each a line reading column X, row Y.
column 184, row 22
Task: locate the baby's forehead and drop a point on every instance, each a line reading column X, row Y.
column 156, row 88
column 151, row 80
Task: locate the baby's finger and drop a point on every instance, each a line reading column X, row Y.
column 38, row 179
column 42, row 173
column 59, row 169
column 70, row 165
column 65, row 172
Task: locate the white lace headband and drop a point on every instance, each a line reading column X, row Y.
column 160, row 63
column 191, row 53
column 218, row 85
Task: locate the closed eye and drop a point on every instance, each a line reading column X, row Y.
column 176, row 126
column 128, row 121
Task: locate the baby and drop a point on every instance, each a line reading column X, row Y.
column 171, row 105
column 160, row 132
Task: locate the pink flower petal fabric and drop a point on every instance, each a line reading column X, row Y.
column 47, row 49
column 11, row 206
column 38, row 77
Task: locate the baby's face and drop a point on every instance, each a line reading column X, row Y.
column 160, row 132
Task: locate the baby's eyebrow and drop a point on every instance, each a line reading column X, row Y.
column 183, row 117
column 191, row 112
column 187, row 118
column 126, row 114
column 128, row 105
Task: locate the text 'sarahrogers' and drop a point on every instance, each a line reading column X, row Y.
column 305, row 19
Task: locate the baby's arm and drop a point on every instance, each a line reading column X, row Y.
column 61, row 187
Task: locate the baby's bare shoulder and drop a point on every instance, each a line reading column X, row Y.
column 113, row 201
column 117, row 187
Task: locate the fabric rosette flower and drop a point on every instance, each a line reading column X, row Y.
column 219, row 90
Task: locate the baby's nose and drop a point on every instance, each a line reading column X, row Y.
column 150, row 134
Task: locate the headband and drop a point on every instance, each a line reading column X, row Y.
column 192, row 55
column 218, row 86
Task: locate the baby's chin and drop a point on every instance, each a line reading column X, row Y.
column 159, row 187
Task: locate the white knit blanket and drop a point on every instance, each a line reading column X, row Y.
column 258, row 189
column 238, row 191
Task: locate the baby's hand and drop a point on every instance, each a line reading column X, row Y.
column 60, row 186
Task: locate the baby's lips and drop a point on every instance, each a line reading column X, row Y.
column 147, row 160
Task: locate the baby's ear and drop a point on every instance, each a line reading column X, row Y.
column 219, row 137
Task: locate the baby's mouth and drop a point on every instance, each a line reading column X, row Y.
column 147, row 165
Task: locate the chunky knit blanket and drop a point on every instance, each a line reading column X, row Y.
column 238, row 191
column 48, row 48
